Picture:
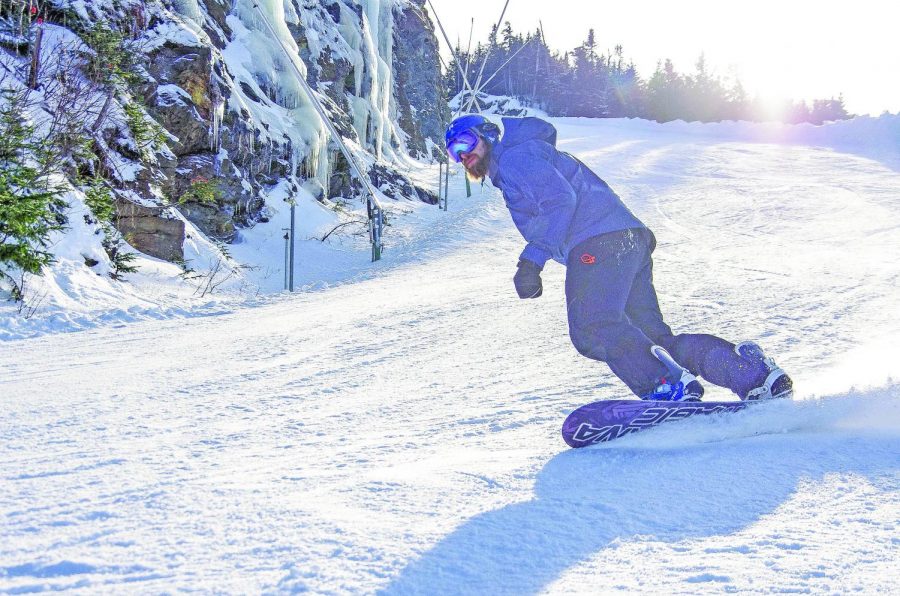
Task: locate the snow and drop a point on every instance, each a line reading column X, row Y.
column 171, row 95
column 394, row 427
column 500, row 105
column 172, row 32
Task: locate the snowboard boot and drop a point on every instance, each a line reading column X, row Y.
column 679, row 385
column 776, row 385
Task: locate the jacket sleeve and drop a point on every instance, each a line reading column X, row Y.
column 548, row 201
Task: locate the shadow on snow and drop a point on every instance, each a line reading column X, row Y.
column 586, row 499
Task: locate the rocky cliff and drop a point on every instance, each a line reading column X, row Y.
column 232, row 119
column 423, row 111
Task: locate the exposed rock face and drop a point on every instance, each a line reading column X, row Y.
column 230, row 120
column 182, row 98
column 397, row 186
column 423, row 111
column 232, row 206
column 151, row 230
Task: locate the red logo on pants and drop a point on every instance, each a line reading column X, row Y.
column 588, row 259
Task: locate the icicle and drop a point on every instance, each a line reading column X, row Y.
column 190, row 9
column 216, row 115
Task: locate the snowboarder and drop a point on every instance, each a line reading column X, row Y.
column 567, row 213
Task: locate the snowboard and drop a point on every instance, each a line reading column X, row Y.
column 607, row 420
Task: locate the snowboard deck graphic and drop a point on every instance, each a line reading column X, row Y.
column 607, row 420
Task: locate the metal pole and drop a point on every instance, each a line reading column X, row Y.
column 496, row 72
column 291, row 285
column 287, row 248
column 459, row 67
column 447, row 186
column 487, row 55
column 469, row 48
column 376, row 224
column 440, row 183
column 373, row 205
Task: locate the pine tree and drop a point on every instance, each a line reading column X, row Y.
column 826, row 110
column 584, row 83
column 738, row 107
column 30, row 206
column 99, row 199
column 665, row 93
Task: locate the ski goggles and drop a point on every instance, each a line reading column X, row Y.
column 464, row 142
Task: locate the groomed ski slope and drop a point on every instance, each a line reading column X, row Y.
column 400, row 434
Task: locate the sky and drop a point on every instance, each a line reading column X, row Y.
column 784, row 49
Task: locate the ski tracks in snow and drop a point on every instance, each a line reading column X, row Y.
column 400, row 434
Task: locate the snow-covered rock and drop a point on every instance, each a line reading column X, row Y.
column 498, row 105
column 230, row 112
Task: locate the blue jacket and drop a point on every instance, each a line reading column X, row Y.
column 555, row 200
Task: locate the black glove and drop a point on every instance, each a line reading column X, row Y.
column 528, row 279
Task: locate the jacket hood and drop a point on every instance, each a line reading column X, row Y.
column 518, row 130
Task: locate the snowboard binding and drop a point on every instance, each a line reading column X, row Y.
column 680, row 385
column 777, row 383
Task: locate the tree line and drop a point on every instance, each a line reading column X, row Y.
column 585, row 82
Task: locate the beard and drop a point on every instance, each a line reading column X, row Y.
column 479, row 168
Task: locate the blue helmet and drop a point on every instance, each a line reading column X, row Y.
column 477, row 123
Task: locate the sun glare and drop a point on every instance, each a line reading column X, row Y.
column 800, row 50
